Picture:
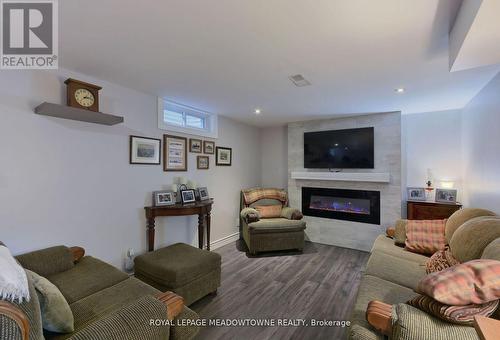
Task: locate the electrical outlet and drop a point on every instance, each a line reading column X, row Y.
column 130, row 253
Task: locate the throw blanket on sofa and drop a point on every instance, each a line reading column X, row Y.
column 253, row 195
column 13, row 280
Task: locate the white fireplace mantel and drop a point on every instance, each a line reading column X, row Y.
column 380, row 177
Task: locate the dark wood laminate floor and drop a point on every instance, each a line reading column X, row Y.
column 319, row 284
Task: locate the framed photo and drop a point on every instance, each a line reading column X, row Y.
column 208, row 147
column 163, row 198
column 203, row 193
column 446, row 195
column 188, row 196
column 416, row 194
column 223, row 156
column 202, row 162
column 174, row 153
column 195, row 145
column 144, row 150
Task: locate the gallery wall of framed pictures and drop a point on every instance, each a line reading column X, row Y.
column 146, row 150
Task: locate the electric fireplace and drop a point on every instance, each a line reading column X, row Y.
column 342, row 204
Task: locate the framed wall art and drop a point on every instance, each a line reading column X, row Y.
column 202, row 162
column 144, row 150
column 195, row 145
column 174, row 153
column 223, row 156
column 208, row 147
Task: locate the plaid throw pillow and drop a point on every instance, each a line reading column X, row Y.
column 462, row 315
column 473, row 282
column 269, row 211
column 425, row 236
column 440, row 260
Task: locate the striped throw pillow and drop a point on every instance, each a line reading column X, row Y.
column 462, row 315
column 269, row 211
column 425, row 236
column 473, row 282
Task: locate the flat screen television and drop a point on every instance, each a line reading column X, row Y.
column 339, row 149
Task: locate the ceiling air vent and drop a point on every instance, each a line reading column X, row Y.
column 299, row 80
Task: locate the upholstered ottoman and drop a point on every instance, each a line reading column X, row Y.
column 188, row 271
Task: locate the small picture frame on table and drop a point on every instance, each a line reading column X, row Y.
column 144, row 150
column 162, row 198
column 188, row 196
column 203, row 193
column 446, row 196
column 416, row 194
column 195, row 145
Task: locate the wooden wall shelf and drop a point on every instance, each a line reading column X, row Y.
column 68, row 112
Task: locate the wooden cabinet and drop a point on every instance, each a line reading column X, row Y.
column 421, row 210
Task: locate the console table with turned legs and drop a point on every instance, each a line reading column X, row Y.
column 202, row 209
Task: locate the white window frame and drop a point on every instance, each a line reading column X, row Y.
column 211, row 129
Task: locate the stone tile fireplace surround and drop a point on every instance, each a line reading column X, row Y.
column 384, row 178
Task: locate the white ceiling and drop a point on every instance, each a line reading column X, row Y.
column 475, row 37
column 231, row 56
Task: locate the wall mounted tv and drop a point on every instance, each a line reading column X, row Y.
column 339, row 149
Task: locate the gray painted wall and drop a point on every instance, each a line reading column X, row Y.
column 274, row 156
column 387, row 159
column 433, row 140
column 68, row 182
column 481, row 148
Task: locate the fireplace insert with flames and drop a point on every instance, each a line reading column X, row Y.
column 342, row 204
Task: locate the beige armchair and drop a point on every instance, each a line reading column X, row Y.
column 267, row 223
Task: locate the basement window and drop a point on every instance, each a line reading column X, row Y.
column 180, row 118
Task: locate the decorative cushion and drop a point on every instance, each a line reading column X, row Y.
column 425, row 236
column 461, row 216
column 462, row 315
column 56, row 313
column 440, row 260
column 400, row 232
column 469, row 240
column 492, row 250
column 269, row 211
column 473, row 282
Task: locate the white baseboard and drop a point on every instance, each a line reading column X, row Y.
column 225, row 240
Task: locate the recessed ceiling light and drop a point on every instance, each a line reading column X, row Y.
column 257, row 111
column 399, row 90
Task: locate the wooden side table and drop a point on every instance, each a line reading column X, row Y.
column 423, row 210
column 202, row 209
